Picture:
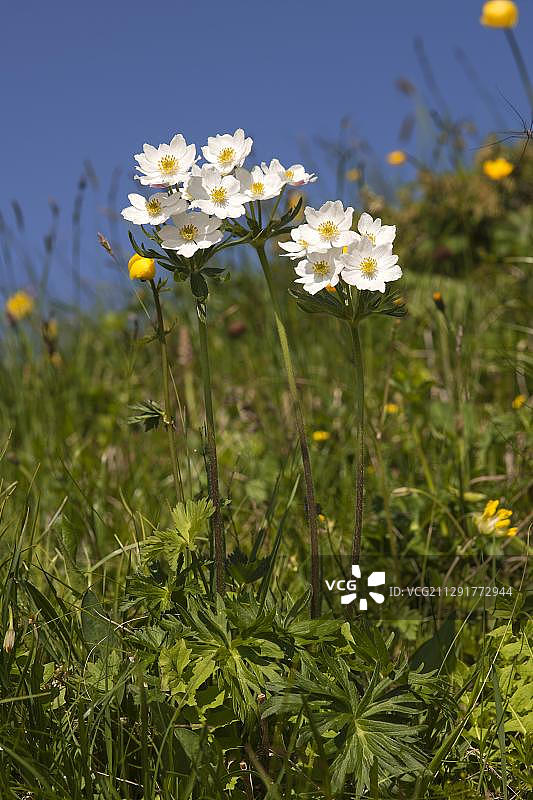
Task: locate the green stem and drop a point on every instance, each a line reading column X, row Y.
column 360, row 442
column 521, row 64
column 300, row 428
column 212, row 463
column 168, row 420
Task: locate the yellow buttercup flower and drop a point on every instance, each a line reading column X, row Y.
column 519, row 401
column 141, row 268
column 19, row 305
column 353, row 174
column 497, row 168
column 321, row 436
column 391, row 408
column 494, row 520
column 499, row 14
column 396, row 157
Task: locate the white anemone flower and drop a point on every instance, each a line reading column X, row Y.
column 294, row 175
column 258, row 185
column 227, row 151
column 333, row 223
column 375, row 231
column 369, row 267
column 167, row 164
column 304, row 240
column 153, row 210
column 319, row 270
column 191, row 231
column 216, row 194
column 195, row 172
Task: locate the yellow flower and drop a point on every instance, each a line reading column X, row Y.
column 438, row 300
column 495, row 520
column 19, row 305
column 141, row 268
column 353, row 174
column 519, row 401
column 396, row 157
column 499, row 14
column 391, row 408
column 497, row 168
column 321, row 436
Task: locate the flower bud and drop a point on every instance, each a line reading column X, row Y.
column 141, row 268
column 439, row 302
column 19, row 305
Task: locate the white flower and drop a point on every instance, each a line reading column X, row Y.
column 319, row 270
column 258, row 185
column 369, row 267
column 332, row 222
column 294, row 175
column 167, row 164
column 191, row 231
column 305, row 240
column 216, row 194
column 195, row 172
column 375, row 231
column 227, row 151
column 153, row 211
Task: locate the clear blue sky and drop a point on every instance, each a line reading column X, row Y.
column 96, row 79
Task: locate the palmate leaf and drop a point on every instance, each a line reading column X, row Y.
column 372, row 730
column 190, row 521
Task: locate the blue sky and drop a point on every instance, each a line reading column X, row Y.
column 95, row 80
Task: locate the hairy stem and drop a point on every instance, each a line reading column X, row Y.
column 310, row 504
column 360, row 442
column 212, row 463
column 168, row 419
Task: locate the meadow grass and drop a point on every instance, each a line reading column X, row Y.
column 124, row 675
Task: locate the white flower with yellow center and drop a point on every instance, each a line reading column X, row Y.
column 216, row 194
column 369, row 267
column 304, row 240
column 333, row 223
column 167, row 164
column 258, row 185
column 191, row 232
column 319, row 270
column 374, row 231
column 294, row 175
column 153, row 211
column 227, row 151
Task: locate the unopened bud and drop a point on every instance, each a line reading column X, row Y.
column 439, row 302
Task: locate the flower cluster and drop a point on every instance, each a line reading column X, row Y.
column 330, row 250
column 198, row 199
column 494, row 520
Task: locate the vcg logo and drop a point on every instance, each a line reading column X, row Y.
column 348, row 588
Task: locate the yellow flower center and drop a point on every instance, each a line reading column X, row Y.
column 321, row 268
column 189, row 232
column 219, row 195
column 371, row 237
column 289, row 174
column 303, row 243
column 226, row 156
column 369, row 267
column 168, row 164
column 153, row 206
column 328, row 230
column 258, row 188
